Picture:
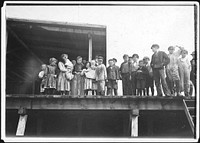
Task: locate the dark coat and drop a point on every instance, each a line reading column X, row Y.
column 113, row 73
column 159, row 60
column 143, row 74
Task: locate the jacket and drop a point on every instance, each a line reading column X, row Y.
column 113, row 72
column 159, row 60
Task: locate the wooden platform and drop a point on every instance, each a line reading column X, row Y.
column 57, row 102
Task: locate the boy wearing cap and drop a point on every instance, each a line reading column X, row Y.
column 159, row 60
column 184, row 70
column 133, row 66
column 141, row 75
column 149, row 77
column 172, row 72
column 78, row 80
column 124, row 74
column 113, row 76
column 115, row 61
column 101, row 76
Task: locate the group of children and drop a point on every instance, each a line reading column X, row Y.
column 73, row 78
column 138, row 77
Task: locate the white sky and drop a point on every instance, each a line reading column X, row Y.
column 130, row 29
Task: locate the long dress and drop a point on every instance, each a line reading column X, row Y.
column 89, row 78
column 78, row 80
column 63, row 82
column 51, row 78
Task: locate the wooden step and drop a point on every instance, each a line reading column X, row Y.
column 190, row 103
column 192, row 112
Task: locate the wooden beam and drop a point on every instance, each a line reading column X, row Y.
column 96, row 103
column 134, row 122
column 74, row 30
column 21, row 125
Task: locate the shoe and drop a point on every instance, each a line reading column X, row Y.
column 168, row 95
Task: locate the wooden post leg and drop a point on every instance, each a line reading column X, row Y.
column 21, row 125
column 134, row 123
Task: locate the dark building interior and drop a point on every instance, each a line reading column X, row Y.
column 32, row 43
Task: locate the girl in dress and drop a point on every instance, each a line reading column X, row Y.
column 51, row 76
column 43, row 75
column 66, row 68
column 78, row 80
column 89, row 75
column 94, row 83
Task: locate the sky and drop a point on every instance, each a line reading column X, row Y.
column 130, row 29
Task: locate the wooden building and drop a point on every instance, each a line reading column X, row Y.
column 31, row 43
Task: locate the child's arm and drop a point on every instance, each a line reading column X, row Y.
column 62, row 67
column 166, row 59
column 178, row 52
column 117, row 73
column 41, row 74
column 105, row 72
column 189, row 64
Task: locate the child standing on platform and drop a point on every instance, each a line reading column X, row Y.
column 184, row 70
column 89, row 74
column 173, row 78
column 94, row 83
column 78, row 80
column 43, row 76
column 51, row 79
column 133, row 68
column 101, row 76
column 141, row 74
column 149, row 78
column 124, row 74
column 113, row 76
column 65, row 67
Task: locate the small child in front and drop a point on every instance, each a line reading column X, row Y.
column 141, row 74
column 113, row 76
column 51, row 81
column 89, row 76
column 43, row 76
column 101, row 76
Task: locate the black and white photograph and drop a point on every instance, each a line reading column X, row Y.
column 102, row 71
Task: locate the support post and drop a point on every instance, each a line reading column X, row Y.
column 90, row 47
column 22, row 122
column 134, row 122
